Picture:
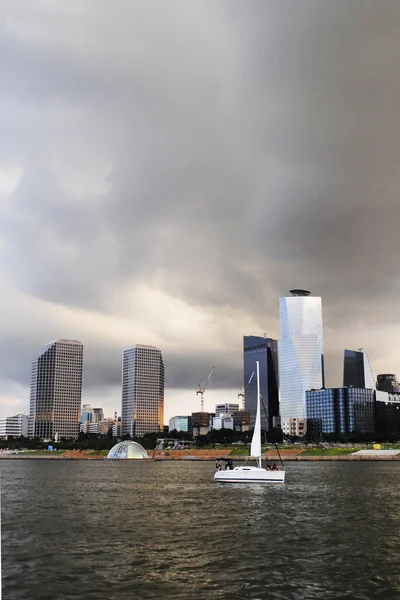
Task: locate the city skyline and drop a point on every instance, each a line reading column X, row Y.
column 226, row 397
column 169, row 185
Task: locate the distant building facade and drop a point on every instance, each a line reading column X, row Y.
column 387, row 382
column 180, row 423
column 227, row 408
column 241, row 420
column 56, row 390
column 264, row 350
column 15, row 426
column 357, row 370
column 142, row 391
column 294, row 427
column 201, row 423
column 301, row 352
column 98, row 415
column 223, row 421
column 340, row 410
column 388, row 413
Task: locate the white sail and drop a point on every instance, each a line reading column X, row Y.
column 255, row 450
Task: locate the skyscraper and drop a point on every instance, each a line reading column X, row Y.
column 265, row 350
column 142, row 390
column 357, row 370
column 56, row 389
column 301, row 354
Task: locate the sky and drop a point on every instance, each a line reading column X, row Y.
column 168, row 170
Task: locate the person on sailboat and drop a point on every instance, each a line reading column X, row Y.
column 218, row 465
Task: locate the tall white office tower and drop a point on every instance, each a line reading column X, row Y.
column 301, row 354
column 56, row 390
column 142, row 390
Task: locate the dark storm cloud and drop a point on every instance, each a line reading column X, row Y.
column 243, row 148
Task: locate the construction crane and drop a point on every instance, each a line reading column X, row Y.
column 201, row 390
column 241, row 395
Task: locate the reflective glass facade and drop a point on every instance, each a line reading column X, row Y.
column 340, row 410
column 357, row 370
column 264, row 350
column 179, row 423
column 300, row 353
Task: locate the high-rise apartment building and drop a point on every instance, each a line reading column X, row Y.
column 264, row 350
column 142, row 391
column 357, row 370
column 301, row 354
column 56, row 389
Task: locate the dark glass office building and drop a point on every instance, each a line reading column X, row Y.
column 387, row 415
column 264, row 350
column 387, row 382
column 340, row 410
column 357, row 370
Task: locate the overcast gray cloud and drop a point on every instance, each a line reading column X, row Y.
column 169, row 169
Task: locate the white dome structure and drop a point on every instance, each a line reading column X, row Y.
column 127, row 449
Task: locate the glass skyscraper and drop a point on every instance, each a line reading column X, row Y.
column 357, row 370
column 142, row 390
column 301, row 361
column 265, row 350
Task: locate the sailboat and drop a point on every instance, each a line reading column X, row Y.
column 250, row 474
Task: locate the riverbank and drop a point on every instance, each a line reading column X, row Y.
column 201, row 455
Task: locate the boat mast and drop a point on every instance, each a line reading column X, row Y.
column 1, row 582
column 258, row 410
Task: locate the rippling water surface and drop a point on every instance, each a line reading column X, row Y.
column 124, row 530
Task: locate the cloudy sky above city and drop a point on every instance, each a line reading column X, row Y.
column 168, row 170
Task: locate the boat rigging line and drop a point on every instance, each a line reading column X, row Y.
column 276, row 445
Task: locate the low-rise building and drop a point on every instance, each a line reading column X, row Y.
column 228, row 408
column 340, row 410
column 200, row 423
column 295, row 427
column 180, row 423
column 223, row 421
column 15, row 426
column 241, row 420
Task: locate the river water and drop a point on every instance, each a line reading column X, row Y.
column 96, row 530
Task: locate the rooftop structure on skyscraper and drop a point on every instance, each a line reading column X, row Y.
column 301, row 354
column 300, row 292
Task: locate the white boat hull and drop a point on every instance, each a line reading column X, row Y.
column 249, row 475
